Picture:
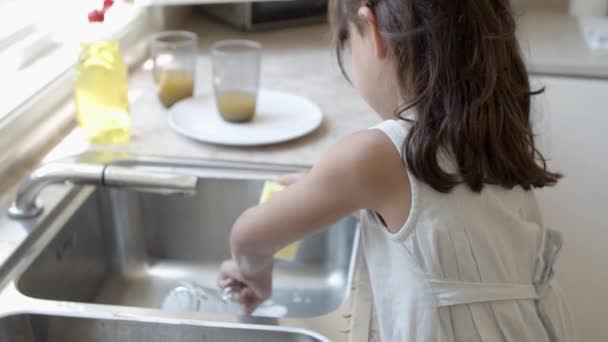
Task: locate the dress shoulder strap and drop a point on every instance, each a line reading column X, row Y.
column 396, row 130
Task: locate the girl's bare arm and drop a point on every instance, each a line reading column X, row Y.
column 361, row 171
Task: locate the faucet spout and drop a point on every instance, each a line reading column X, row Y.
column 148, row 181
column 26, row 205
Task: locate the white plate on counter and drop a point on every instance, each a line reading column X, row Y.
column 280, row 117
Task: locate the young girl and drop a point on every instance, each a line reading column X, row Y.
column 451, row 230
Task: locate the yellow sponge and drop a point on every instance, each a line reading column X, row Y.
column 287, row 253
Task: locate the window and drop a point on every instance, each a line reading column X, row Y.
column 37, row 56
column 40, row 41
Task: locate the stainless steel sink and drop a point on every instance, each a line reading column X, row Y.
column 111, row 257
column 45, row 328
column 125, row 248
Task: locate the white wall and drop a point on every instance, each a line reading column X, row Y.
column 576, row 112
column 549, row 4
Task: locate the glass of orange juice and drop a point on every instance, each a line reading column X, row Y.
column 174, row 54
column 236, row 78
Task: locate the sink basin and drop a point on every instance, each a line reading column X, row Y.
column 48, row 328
column 126, row 248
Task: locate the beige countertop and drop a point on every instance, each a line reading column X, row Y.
column 300, row 60
column 296, row 60
column 553, row 45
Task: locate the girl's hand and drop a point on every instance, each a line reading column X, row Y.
column 249, row 290
column 291, row 178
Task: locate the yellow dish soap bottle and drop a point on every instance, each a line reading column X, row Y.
column 101, row 88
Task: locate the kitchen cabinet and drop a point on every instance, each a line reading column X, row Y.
column 572, row 129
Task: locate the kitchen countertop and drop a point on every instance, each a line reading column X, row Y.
column 299, row 60
column 296, row 60
column 553, row 45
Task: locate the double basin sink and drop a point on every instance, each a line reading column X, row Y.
column 108, row 264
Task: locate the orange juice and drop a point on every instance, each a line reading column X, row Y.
column 174, row 85
column 236, row 105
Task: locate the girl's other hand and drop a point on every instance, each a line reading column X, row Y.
column 291, row 178
column 251, row 290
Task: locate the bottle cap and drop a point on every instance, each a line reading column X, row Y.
column 96, row 31
column 98, row 15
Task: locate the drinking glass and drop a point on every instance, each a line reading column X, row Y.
column 236, row 78
column 174, row 55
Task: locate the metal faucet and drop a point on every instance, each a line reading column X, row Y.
column 26, row 206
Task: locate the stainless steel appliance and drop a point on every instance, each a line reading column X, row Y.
column 269, row 14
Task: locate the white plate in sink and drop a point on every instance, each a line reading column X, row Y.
column 280, row 117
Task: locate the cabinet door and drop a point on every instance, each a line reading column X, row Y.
column 573, row 126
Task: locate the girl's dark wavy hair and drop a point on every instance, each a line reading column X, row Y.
column 460, row 66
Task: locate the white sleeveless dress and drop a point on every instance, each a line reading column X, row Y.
column 465, row 267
